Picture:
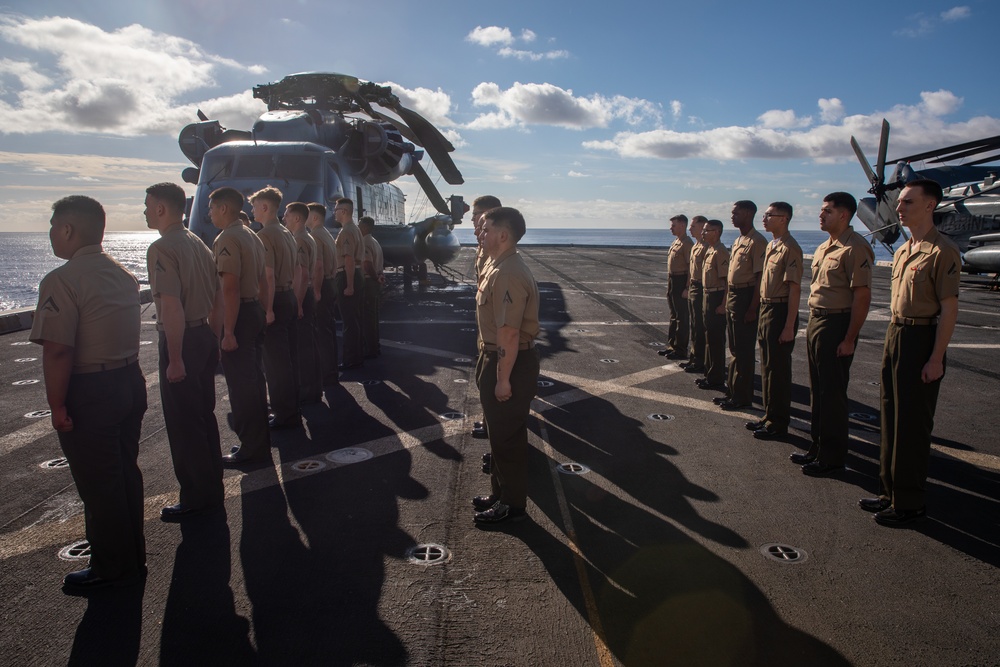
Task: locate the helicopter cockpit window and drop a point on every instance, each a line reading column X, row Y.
column 215, row 167
column 298, row 167
column 254, row 166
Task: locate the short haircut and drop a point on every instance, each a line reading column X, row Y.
column 929, row 187
column 508, row 218
column 782, row 207
column 297, row 208
column 367, row 222
column 230, row 196
column 169, row 193
column 344, row 201
column 844, row 200
column 746, row 205
column 316, row 207
column 87, row 213
column 244, row 218
column 270, row 193
column 683, row 218
column 486, row 202
column 699, row 220
column 714, row 224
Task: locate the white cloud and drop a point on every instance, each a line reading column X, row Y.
column 490, row 35
column 956, row 13
column 526, row 104
column 434, row 105
column 29, row 77
column 914, row 128
column 503, row 37
column 919, row 25
column 940, row 103
column 778, row 119
column 830, row 110
column 117, row 182
column 508, row 52
column 676, row 109
column 127, row 82
column 577, row 174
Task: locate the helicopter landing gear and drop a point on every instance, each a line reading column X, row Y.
column 421, row 274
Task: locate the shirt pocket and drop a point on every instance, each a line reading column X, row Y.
column 920, row 273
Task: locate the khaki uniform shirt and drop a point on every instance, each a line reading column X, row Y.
column 783, row 264
column 373, row 254
column 305, row 253
column 508, row 296
column 482, row 264
column 279, row 253
column 679, row 256
column 697, row 260
column 923, row 274
column 350, row 243
column 90, row 303
column 716, row 267
column 240, row 252
column 747, row 258
column 839, row 266
column 326, row 250
column 181, row 266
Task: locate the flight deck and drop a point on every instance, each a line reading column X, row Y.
column 659, row 532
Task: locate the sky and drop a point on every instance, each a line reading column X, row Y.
column 581, row 114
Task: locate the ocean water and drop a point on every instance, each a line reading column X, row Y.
column 25, row 258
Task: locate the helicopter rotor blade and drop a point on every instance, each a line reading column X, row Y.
column 429, row 137
column 886, row 220
column 980, row 145
column 883, row 145
column 864, row 161
column 436, row 144
column 399, row 125
column 430, row 189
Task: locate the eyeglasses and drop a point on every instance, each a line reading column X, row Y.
column 774, row 215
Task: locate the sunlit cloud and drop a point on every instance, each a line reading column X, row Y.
column 919, row 25
column 503, row 37
column 434, row 105
column 128, row 82
column 956, row 13
column 119, row 183
column 508, row 52
column 830, row 110
column 914, row 128
column 525, row 104
column 785, row 119
column 490, row 35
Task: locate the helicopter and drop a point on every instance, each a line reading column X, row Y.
column 321, row 139
column 969, row 214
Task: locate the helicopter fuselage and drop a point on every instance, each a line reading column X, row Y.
column 309, row 172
